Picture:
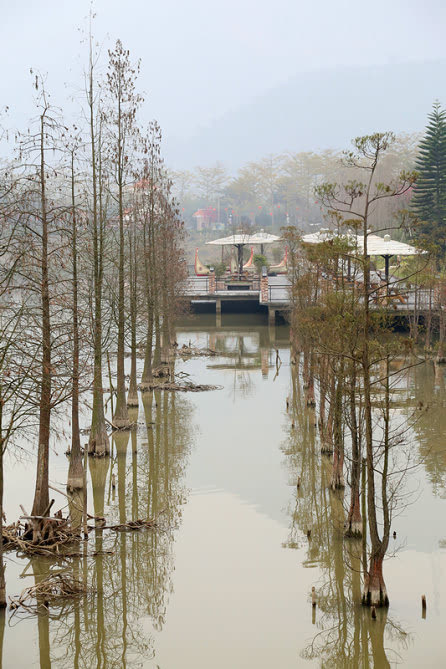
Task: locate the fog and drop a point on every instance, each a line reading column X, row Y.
column 206, row 62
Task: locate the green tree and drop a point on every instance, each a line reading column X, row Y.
column 430, row 189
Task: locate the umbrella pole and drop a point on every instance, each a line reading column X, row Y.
column 387, row 271
column 240, row 260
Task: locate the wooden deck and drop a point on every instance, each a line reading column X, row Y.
column 276, row 298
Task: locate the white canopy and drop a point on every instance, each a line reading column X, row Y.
column 232, row 240
column 257, row 238
column 385, row 246
column 263, row 238
column 376, row 245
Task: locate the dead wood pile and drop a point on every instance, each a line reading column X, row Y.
column 193, row 351
column 53, row 591
column 183, row 388
column 53, row 535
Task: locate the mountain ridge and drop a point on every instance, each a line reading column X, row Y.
column 315, row 111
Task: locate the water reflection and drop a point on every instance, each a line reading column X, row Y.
column 143, row 478
column 427, row 388
column 346, row 634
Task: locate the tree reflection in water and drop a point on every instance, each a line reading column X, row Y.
column 111, row 628
column 347, row 636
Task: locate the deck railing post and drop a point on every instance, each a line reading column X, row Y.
column 212, row 281
column 264, row 286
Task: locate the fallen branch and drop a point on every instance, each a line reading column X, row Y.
column 184, row 388
column 53, row 590
column 131, row 525
column 193, row 351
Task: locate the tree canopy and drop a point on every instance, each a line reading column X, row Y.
column 429, row 199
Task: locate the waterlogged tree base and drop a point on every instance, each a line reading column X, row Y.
column 122, row 423
column 375, row 597
column 99, row 443
column 354, row 530
column 132, row 401
column 375, row 593
column 326, row 448
column 75, row 482
column 337, row 482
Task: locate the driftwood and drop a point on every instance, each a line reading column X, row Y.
column 52, row 536
column 44, row 536
column 192, row 352
column 131, row 525
column 53, row 590
column 183, row 388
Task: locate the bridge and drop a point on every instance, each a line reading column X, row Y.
column 272, row 294
column 269, row 292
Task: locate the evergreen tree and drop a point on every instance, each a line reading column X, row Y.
column 429, row 199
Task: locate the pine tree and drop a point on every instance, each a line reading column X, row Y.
column 429, row 199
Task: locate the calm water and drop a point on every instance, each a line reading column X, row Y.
column 226, row 579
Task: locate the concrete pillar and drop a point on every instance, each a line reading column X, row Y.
column 264, row 296
column 271, row 316
column 218, row 312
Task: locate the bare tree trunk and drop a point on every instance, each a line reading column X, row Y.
column 76, row 470
column 337, row 479
column 2, row 566
column 375, row 593
column 132, row 397
column 98, row 444
column 41, row 495
column 327, row 443
column 354, row 520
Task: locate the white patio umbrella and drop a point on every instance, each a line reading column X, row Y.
column 376, row 245
column 240, row 240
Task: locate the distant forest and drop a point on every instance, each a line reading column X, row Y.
column 278, row 190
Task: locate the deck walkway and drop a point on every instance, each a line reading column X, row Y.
column 273, row 293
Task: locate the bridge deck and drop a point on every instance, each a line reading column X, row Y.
column 278, row 296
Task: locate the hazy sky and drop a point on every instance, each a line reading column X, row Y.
column 201, row 58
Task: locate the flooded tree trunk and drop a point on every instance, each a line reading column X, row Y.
column 41, row 495
column 147, row 374
column 310, row 399
column 375, row 593
column 441, row 353
column 98, row 443
column 75, row 471
column 121, row 417
column 428, row 324
column 354, row 519
column 132, row 397
column 2, row 566
column 157, row 351
column 322, row 394
column 337, row 479
column 327, row 443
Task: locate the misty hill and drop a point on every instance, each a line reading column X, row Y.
column 317, row 110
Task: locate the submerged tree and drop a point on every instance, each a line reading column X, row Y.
column 353, row 201
column 98, row 443
column 121, row 124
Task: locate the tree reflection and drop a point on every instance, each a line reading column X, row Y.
column 111, row 627
column 428, row 382
column 346, row 635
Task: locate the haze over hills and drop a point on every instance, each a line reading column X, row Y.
column 317, row 111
